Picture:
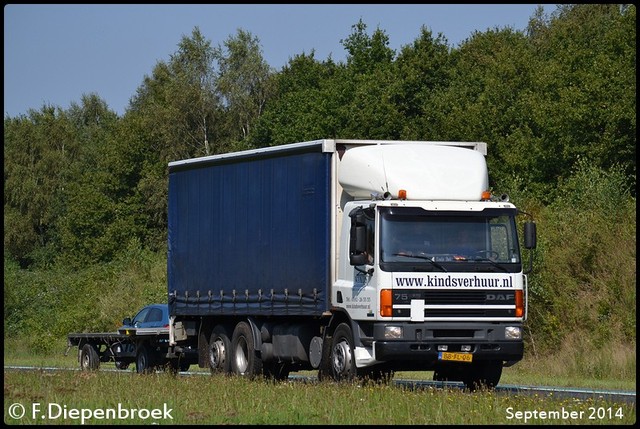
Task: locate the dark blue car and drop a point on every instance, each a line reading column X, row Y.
column 151, row 316
column 154, row 319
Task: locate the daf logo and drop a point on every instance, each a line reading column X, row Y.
column 500, row 297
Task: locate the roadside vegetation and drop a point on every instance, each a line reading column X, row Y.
column 200, row 399
column 85, row 190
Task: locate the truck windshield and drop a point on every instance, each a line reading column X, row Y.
column 415, row 236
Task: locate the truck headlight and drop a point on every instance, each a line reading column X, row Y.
column 392, row 332
column 513, row 333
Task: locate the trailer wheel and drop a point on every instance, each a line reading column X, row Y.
column 244, row 360
column 89, row 359
column 483, row 375
column 343, row 363
column 219, row 351
column 144, row 364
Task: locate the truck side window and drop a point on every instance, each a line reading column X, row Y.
column 370, row 239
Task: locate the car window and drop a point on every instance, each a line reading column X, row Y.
column 155, row 315
column 140, row 317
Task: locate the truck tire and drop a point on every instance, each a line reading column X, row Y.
column 244, row 360
column 219, row 351
column 89, row 359
column 483, row 375
column 343, row 362
column 144, row 362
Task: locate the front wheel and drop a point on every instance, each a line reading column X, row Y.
column 343, row 362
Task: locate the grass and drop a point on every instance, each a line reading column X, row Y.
column 74, row 397
column 62, row 397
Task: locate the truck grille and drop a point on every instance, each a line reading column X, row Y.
column 456, row 303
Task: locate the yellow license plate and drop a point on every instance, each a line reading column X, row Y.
column 457, row 357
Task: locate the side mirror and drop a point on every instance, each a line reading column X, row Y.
column 357, row 238
column 126, row 321
column 530, row 235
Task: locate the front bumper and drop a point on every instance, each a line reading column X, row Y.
column 422, row 342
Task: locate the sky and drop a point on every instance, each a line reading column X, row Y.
column 54, row 54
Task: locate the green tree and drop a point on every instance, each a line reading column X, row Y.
column 423, row 70
column 176, row 107
column 364, row 52
column 175, row 114
column 327, row 100
column 194, row 75
column 304, row 105
column 244, row 83
column 583, row 98
column 96, row 200
column 367, row 87
column 40, row 151
column 487, row 99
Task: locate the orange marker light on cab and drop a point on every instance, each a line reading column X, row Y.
column 386, row 303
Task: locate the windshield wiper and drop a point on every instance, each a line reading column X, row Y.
column 423, row 257
column 492, row 262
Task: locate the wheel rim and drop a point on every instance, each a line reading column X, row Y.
column 217, row 354
column 85, row 360
column 342, row 358
column 241, row 359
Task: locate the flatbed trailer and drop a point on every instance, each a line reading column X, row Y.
column 148, row 348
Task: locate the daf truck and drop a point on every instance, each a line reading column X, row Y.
column 344, row 256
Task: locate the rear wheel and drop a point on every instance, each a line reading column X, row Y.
column 244, row 359
column 219, row 351
column 89, row 359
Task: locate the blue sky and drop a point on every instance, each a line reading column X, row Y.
column 53, row 54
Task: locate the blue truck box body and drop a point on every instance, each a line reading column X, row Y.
column 250, row 234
